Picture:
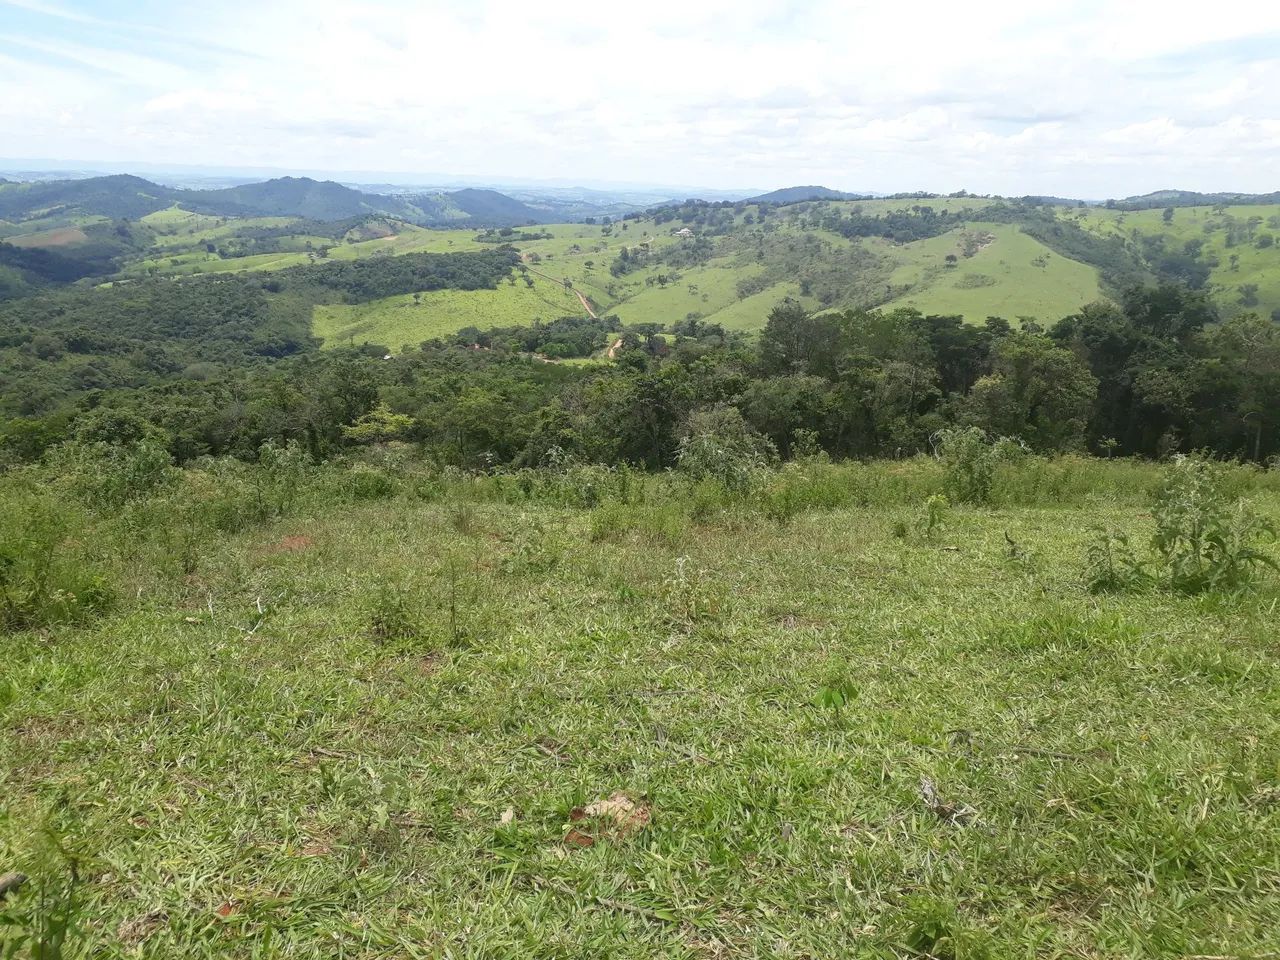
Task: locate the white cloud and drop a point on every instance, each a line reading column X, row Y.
column 1086, row 98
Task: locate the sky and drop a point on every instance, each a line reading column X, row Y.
column 1085, row 99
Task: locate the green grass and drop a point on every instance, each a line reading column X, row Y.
column 704, row 290
column 1254, row 265
column 396, row 321
column 751, row 313
column 1013, row 276
column 361, row 730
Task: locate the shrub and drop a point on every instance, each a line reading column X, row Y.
column 362, row 483
column 392, row 615
column 41, row 583
column 933, row 516
column 663, row 523
column 970, row 458
column 1206, row 539
column 109, row 475
column 720, row 445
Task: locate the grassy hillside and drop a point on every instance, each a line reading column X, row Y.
column 999, row 271
column 400, row 320
column 737, row 261
column 414, row 712
column 1239, row 246
column 1010, row 276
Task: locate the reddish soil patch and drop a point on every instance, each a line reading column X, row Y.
column 62, row 237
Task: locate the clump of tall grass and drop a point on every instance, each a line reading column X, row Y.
column 45, row 577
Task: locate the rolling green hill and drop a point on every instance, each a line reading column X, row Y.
column 407, row 320
column 61, row 202
column 1232, row 251
column 724, row 263
column 734, row 273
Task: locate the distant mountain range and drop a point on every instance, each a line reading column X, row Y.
column 1189, row 198
column 123, row 196
column 800, row 194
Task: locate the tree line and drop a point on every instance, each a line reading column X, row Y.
column 1153, row 374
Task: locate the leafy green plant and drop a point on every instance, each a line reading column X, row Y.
column 721, row 445
column 392, row 615
column 39, row 919
column 970, row 457
column 933, row 516
column 41, row 582
column 1112, row 565
column 688, row 595
column 1206, row 540
column 106, row 476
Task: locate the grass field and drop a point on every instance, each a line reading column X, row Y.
column 1015, row 285
column 1259, row 266
column 480, row 721
column 1012, row 276
column 396, row 321
column 58, row 237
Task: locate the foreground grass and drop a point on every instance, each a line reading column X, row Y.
column 362, row 731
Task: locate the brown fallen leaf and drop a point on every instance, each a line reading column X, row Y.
column 616, row 818
column 228, row 908
column 956, row 814
column 508, row 816
column 133, row 932
column 316, row 848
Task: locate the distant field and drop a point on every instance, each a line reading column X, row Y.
column 752, row 312
column 1015, row 276
column 702, row 290
column 1240, row 261
column 396, row 321
column 58, row 237
column 1012, row 276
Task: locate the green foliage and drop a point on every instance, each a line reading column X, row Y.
column 932, row 927
column 970, row 458
column 43, row 919
column 379, row 425
column 393, row 615
column 106, row 475
column 1112, row 565
column 721, row 445
column 43, row 579
column 1206, row 540
column 934, row 516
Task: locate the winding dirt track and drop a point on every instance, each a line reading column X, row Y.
column 586, row 304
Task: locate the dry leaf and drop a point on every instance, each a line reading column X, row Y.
column 957, row 814
column 133, row 932
column 616, row 818
column 228, row 908
column 317, row 848
column 508, row 816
